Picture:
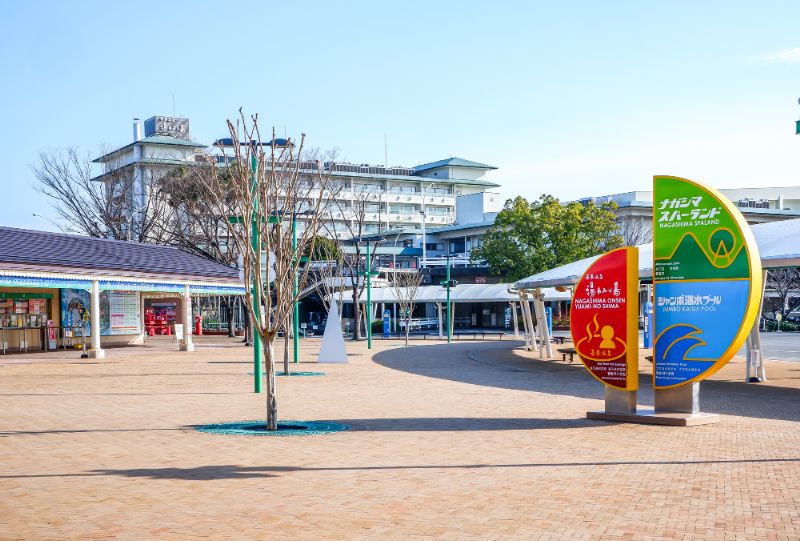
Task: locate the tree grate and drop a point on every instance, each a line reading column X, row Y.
column 285, row 428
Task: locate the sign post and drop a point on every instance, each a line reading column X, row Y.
column 707, row 281
column 647, row 310
column 603, row 323
column 387, row 315
column 52, row 342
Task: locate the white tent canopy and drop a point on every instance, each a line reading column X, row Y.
column 777, row 243
column 459, row 293
column 476, row 293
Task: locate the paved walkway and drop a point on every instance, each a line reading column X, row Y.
column 468, row 441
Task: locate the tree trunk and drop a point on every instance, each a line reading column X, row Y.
column 248, row 329
column 229, row 312
column 408, row 328
column 272, row 399
column 286, row 348
column 356, row 316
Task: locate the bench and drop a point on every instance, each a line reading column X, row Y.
column 558, row 339
column 476, row 333
column 567, row 351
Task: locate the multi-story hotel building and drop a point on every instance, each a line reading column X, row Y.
column 421, row 197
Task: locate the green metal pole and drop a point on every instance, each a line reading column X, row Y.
column 369, row 300
column 258, row 371
column 295, row 314
column 449, row 306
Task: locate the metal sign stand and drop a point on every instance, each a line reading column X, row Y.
column 619, row 401
column 683, row 399
column 679, row 406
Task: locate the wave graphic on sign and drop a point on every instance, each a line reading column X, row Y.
column 677, row 341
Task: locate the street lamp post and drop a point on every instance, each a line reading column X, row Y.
column 424, row 217
column 258, row 368
column 295, row 314
column 447, row 284
column 449, row 306
column 369, row 299
column 394, row 268
column 368, row 277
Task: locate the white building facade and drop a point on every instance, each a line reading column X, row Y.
column 164, row 144
column 419, row 198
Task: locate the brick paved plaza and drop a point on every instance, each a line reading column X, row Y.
column 468, row 441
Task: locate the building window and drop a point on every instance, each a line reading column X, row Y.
column 402, row 209
column 457, row 246
column 438, row 211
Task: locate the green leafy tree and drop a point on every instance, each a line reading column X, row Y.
column 325, row 249
column 531, row 237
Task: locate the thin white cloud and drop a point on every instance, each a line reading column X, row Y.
column 783, row 55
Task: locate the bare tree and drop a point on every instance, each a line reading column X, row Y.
column 115, row 205
column 406, row 288
column 197, row 225
column 363, row 205
column 266, row 188
column 635, row 231
column 785, row 283
column 329, row 280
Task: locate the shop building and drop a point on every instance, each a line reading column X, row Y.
column 60, row 290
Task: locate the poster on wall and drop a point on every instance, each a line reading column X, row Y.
column 36, row 306
column 120, row 313
column 75, row 305
column 603, row 319
column 706, row 277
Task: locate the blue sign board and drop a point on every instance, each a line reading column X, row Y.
column 386, row 322
column 648, row 324
column 548, row 312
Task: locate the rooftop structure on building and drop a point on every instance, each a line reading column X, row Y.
column 758, row 205
column 165, row 142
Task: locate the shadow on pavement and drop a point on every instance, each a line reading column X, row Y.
column 7, row 433
column 124, row 394
column 466, row 363
column 231, row 471
column 457, row 424
column 503, row 365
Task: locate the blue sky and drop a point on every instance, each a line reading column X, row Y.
column 569, row 98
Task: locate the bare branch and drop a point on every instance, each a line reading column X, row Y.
column 406, row 284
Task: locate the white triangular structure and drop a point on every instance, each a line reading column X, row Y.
column 332, row 349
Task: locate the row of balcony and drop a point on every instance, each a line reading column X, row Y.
column 389, row 197
column 391, row 216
